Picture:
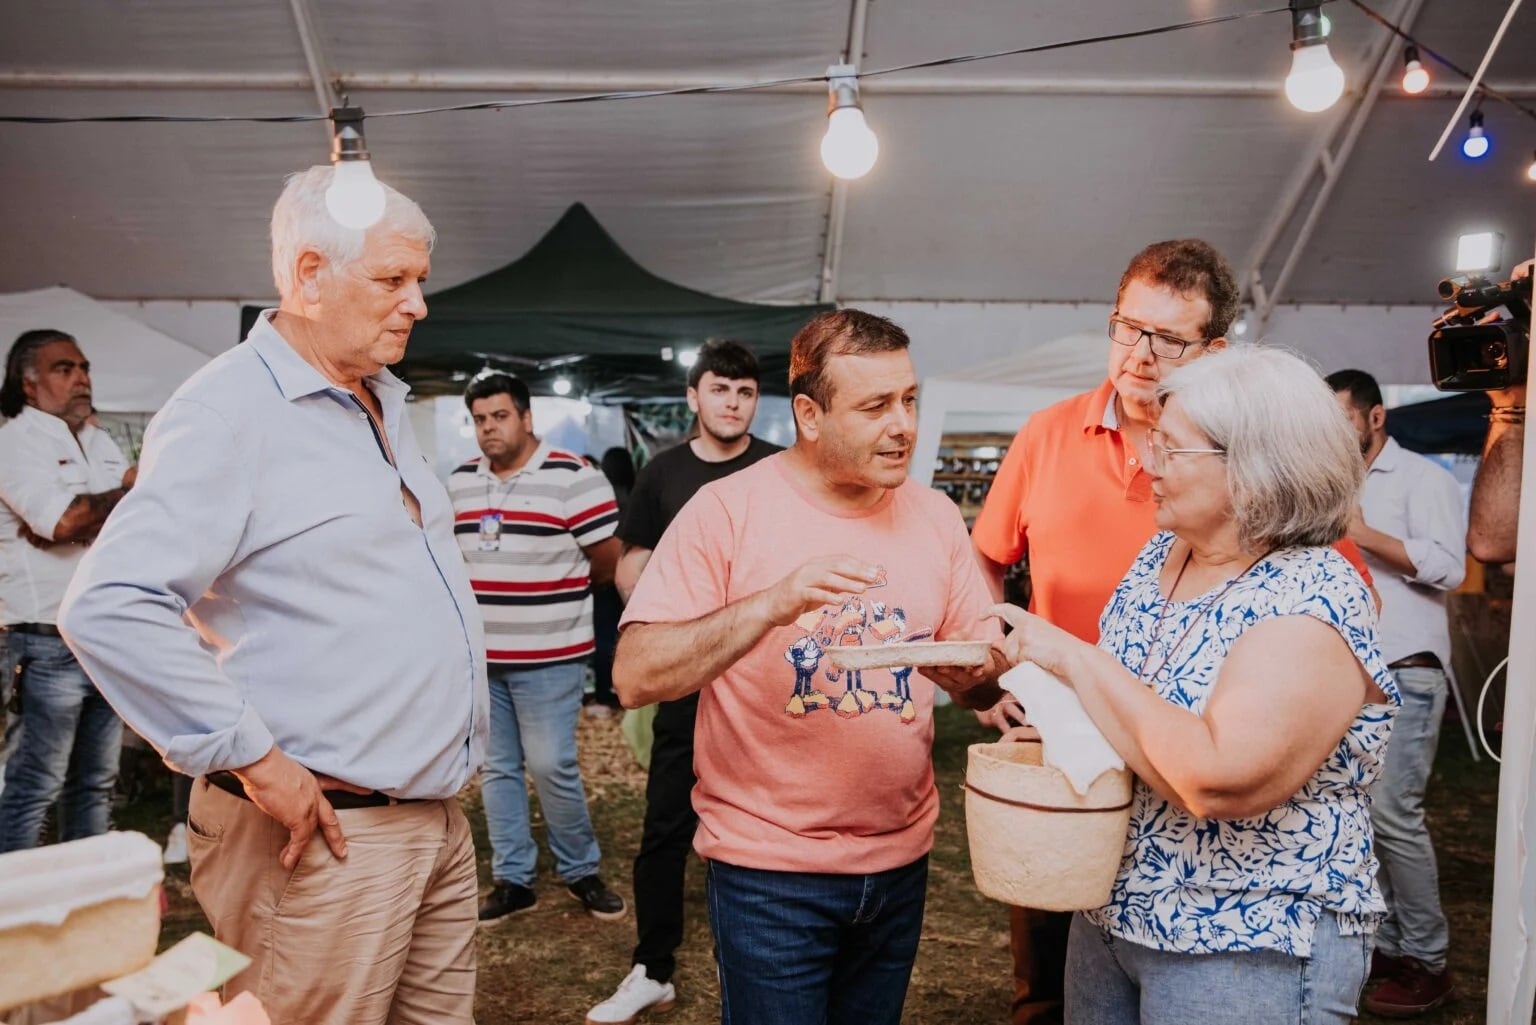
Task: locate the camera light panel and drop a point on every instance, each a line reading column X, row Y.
column 1479, row 251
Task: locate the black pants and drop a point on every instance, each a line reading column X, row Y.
column 607, row 607
column 667, row 840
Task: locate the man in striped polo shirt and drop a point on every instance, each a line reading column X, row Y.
column 536, row 527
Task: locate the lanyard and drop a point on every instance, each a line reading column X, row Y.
column 1157, row 630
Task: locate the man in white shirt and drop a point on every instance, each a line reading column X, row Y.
column 59, row 478
column 1411, row 527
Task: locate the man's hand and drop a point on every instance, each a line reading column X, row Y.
column 824, row 581
column 33, row 538
column 1356, row 524
column 1005, row 715
column 291, row 794
column 131, row 477
column 971, row 686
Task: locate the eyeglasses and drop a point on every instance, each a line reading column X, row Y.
column 1123, row 332
column 1158, row 451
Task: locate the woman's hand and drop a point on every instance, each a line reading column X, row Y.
column 1035, row 640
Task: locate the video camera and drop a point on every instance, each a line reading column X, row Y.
column 1468, row 350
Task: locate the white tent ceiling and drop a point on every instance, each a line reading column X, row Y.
column 1025, row 178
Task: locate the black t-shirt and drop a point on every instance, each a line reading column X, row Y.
column 666, row 484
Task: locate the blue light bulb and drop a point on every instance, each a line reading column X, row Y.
column 1475, row 145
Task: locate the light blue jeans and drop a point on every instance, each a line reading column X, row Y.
column 1111, row 981
column 1410, row 881
column 533, row 729
column 66, row 746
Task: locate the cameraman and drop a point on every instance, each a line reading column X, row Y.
column 1495, row 510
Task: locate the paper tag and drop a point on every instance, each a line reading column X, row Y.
column 195, row 965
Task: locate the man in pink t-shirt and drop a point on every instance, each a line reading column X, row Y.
column 815, row 798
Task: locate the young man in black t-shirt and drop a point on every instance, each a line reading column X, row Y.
column 722, row 392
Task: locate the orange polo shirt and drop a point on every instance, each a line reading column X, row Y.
column 1072, row 493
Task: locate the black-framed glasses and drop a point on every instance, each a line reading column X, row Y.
column 1158, row 451
column 1123, row 332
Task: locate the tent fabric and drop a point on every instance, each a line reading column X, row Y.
column 134, row 368
column 1456, row 423
column 577, row 305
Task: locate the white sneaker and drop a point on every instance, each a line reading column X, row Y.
column 635, row 994
column 176, row 845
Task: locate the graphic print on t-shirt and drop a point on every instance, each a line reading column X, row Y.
column 856, row 622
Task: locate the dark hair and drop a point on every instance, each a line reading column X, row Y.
column 1189, row 267
column 619, row 467
column 21, row 363
column 725, row 358
column 486, row 385
column 1364, row 392
column 837, row 333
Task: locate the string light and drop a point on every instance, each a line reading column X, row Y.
column 1475, row 145
column 1415, row 75
column 355, row 197
column 562, row 386
column 688, row 357
column 1315, row 82
column 849, row 149
column 1530, row 172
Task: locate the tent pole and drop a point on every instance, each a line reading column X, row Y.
column 314, row 57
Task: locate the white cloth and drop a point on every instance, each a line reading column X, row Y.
column 1069, row 740
column 42, row 470
column 1418, row 502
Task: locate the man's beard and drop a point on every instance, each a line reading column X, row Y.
column 724, row 439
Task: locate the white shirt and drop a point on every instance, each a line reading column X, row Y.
column 42, row 470
column 1419, row 503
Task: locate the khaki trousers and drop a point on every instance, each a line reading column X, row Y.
column 386, row 936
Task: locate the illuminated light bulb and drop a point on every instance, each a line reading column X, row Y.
column 1315, row 82
column 850, row 148
column 1415, row 75
column 1326, row 25
column 562, row 386
column 355, row 198
column 1475, row 145
column 1530, row 172
column 688, row 357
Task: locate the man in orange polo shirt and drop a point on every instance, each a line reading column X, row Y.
column 1073, row 494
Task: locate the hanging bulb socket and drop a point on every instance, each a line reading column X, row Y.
column 347, row 142
column 1415, row 75
column 355, row 198
column 1315, row 82
column 850, row 148
column 1475, row 145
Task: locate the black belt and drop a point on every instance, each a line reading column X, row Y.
column 40, row 629
column 343, row 799
column 1418, row 660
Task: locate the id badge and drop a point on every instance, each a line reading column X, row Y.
column 490, row 533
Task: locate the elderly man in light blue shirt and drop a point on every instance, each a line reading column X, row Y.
column 280, row 608
column 1412, row 529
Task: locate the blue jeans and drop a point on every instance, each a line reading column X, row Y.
column 1410, row 881
column 1111, row 981
column 803, row 948
column 533, row 729
column 66, row 746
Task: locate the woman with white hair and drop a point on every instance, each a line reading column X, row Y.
column 1238, row 675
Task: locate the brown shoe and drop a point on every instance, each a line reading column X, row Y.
column 1413, row 991
column 1384, row 966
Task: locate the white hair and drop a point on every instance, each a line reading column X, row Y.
column 301, row 222
column 1294, row 470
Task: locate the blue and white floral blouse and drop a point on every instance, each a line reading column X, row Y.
column 1202, row 886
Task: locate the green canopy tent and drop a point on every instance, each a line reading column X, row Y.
column 577, row 305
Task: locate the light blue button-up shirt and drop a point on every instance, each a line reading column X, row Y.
column 264, row 583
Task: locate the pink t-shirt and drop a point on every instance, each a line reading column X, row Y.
column 803, row 768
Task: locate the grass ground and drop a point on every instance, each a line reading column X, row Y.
column 549, row 965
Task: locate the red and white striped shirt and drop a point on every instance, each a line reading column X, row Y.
column 534, row 589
